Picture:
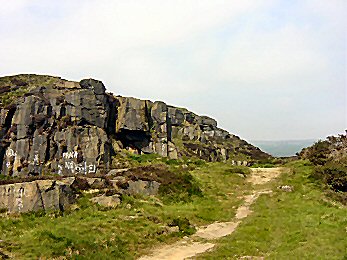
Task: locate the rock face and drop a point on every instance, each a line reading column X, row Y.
column 36, row 195
column 57, row 126
column 53, row 126
column 59, row 194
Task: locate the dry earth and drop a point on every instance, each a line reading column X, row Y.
column 192, row 246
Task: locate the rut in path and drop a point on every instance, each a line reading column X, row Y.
column 193, row 246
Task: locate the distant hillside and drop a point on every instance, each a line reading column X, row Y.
column 283, row 147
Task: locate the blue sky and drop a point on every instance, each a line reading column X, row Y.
column 266, row 69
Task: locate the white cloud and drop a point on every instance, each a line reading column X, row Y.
column 207, row 55
column 149, row 22
column 260, row 58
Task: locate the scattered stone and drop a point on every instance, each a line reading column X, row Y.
column 91, row 191
column 252, row 257
column 107, row 201
column 116, row 172
column 142, row 187
column 172, row 229
column 286, row 188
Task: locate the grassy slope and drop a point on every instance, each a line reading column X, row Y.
column 297, row 225
column 289, row 225
column 96, row 233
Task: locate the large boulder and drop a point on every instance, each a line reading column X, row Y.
column 36, row 195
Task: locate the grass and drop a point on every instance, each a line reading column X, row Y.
column 22, row 84
column 94, row 232
column 303, row 224
column 7, row 98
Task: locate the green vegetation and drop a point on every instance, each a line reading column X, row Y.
column 303, row 224
column 14, row 87
column 185, row 227
column 182, row 188
column 88, row 231
column 270, row 162
column 330, row 160
column 153, row 159
column 243, row 170
column 7, row 98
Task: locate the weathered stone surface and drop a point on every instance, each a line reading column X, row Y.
column 176, row 116
column 205, row 120
column 96, row 183
column 35, row 195
column 286, row 188
column 132, row 124
column 107, row 201
column 159, row 112
column 55, row 119
column 142, row 187
column 132, row 115
column 96, row 85
column 172, row 151
column 67, row 128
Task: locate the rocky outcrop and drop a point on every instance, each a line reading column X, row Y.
column 57, row 126
column 37, row 195
column 53, row 126
column 59, row 194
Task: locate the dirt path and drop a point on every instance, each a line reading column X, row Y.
column 192, row 246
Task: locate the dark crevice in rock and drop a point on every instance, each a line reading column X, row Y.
column 49, row 111
column 2, row 154
column 64, row 148
column 168, row 126
column 8, row 122
column 40, row 196
column 148, row 115
column 62, row 111
column 112, row 115
column 168, row 131
column 9, row 117
column 48, row 149
column 83, row 122
column 135, row 139
column 4, row 144
column 52, row 187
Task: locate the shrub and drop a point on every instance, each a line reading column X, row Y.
column 333, row 174
column 319, row 153
column 238, row 170
column 181, row 188
column 184, row 226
